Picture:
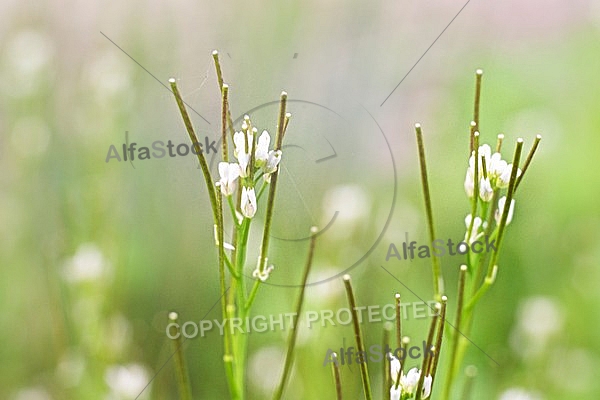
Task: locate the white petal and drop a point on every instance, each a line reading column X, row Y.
column 500, row 210
column 427, row 386
column 485, row 190
column 395, row 393
column 248, row 202
column 262, row 148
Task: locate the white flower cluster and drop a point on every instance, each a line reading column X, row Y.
column 405, row 386
column 246, row 149
column 495, row 175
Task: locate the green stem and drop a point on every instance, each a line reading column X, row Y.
column 215, row 55
column 336, row 376
column 455, row 337
column 387, row 328
column 438, row 279
column 506, row 209
column 478, row 76
column 183, row 378
column 528, row 159
column 264, row 247
column 364, row 370
column 426, row 356
column 289, row 357
column 201, row 159
column 398, row 320
column 438, row 342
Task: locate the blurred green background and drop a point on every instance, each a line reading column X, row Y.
column 95, row 254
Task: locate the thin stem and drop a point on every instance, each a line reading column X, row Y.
column 264, row 248
column 427, row 356
column 398, row 320
column 473, row 129
column 499, row 143
column 289, row 357
column 358, row 336
column 487, row 282
column 478, row 76
column 528, row 159
column 201, row 159
column 222, row 259
column 183, row 379
column 475, row 198
column 438, row 280
column 438, row 342
column 224, row 110
column 405, row 343
column 387, row 329
column 457, row 328
column 484, row 167
column 336, row 376
column 506, row 209
column 215, row 55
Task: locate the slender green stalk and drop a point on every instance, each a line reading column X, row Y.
column 473, row 129
column 364, row 370
column 289, row 357
column 336, row 376
column 487, row 282
column 427, row 356
column 224, row 111
column 210, row 186
column 475, row 198
column 478, row 76
column 506, row 209
column 398, row 320
column 405, row 343
column 215, row 55
column 438, row 279
column 455, row 337
column 264, row 248
column 185, row 390
column 438, row 342
column 499, row 143
column 386, row 378
column 528, row 159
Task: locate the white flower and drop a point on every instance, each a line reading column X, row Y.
column 395, row 392
column 475, row 234
column 239, row 143
column 485, row 189
column 229, row 173
column 273, row 160
column 427, row 386
column 504, row 177
column 410, row 381
column 469, row 182
column 243, row 149
column 483, row 151
column 262, row 149
column 395, row 367
column 498, row 173
column 248, row 202
column 500, row 210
